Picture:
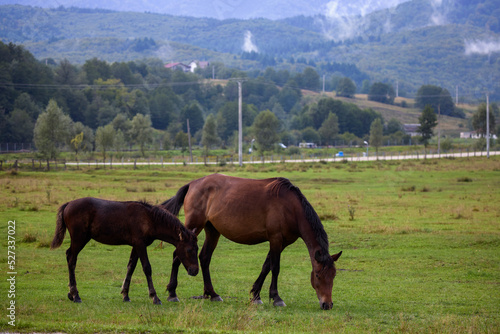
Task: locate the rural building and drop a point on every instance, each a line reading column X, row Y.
column 411, row 129
column 198, row 64
column 193, row 65
column 474, row 135
column 178, row 66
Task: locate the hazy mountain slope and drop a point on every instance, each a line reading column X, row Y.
column 403, row 44
column 222, row 9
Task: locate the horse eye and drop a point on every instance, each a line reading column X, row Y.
column 317, row 276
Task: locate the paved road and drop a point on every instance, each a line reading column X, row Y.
column 117, row 163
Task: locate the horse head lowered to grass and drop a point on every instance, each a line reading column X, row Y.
column 136, row 224
column 249, row 212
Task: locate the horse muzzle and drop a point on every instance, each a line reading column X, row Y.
column 326, row 306
column 193, row 271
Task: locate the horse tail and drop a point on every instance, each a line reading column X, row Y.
column 60, row 228
column 174, row 204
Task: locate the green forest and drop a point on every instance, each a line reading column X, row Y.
column 114, row 106
column 97, row 94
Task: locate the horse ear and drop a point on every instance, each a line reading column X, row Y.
column 194, row 230
column 335, row 257
column 180, row 235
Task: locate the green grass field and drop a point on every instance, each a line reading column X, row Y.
column 420, row 242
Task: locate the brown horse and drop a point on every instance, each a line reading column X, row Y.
column 250, row 212
column 136, row 224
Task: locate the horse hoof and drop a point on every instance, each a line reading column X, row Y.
column 279, row 303
column 126, row 299
column 74, row 299
column 257, row 301
column 173, row 299
column 216, row 299
column 157, row 301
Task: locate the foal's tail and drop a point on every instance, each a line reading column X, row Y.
column 174, row 204
column 60, row 228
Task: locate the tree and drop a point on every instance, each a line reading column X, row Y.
column 346, row 87
column 310, row 135
column 19, row 126
column 82, row 138
column 195, row 115
column 265, row 127
column 376, row 134
column 209, row 136
column 104, row 138
column 141, row 131
column 428, row 121
column 479, row 119
column 438, row 98
column 393, row 126
column 310, row 79
column 382, row 92
column 51, row 131
column 329, row 129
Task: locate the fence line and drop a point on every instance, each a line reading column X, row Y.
column 44, row 165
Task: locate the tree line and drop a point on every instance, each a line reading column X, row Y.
column 111, row 106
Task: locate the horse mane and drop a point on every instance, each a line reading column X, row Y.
column 161, row 216
column 311, row 216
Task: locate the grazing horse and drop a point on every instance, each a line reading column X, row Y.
column 136, row 224
column 249, row 212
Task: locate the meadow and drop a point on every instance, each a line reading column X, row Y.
column 420, row 242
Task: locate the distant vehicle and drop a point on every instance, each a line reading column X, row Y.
column 340, row 154
column 307, row 145
column 282, row 145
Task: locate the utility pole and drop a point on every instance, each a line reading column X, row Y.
column 439, row 128
column 240, row 124
column 323, row 83
column 487, row 125
column 189, row 142
column 456, row 95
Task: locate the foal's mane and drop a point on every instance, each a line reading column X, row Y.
column 160, row 215
column 311, row 216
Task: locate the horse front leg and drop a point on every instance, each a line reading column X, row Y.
column 275, row 255
column 211, row 240
column 172, row 285
column 130, row 271
column 257, row 286
column 146, row 267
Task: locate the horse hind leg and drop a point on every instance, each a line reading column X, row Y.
column 71, row 258
column 130, row 271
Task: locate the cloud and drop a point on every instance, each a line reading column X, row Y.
column 484, row 47
column 346, row 19
column 439, row 12
column 248, row 45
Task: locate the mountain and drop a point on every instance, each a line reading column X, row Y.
column 448, row 43
column 223, row 9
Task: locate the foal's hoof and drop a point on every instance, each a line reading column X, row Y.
column 74, row 299
column 216, row 299
column 257, row 301
column 126, row 299
column 173, row 299
column 279, row 303
column 157, row 301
